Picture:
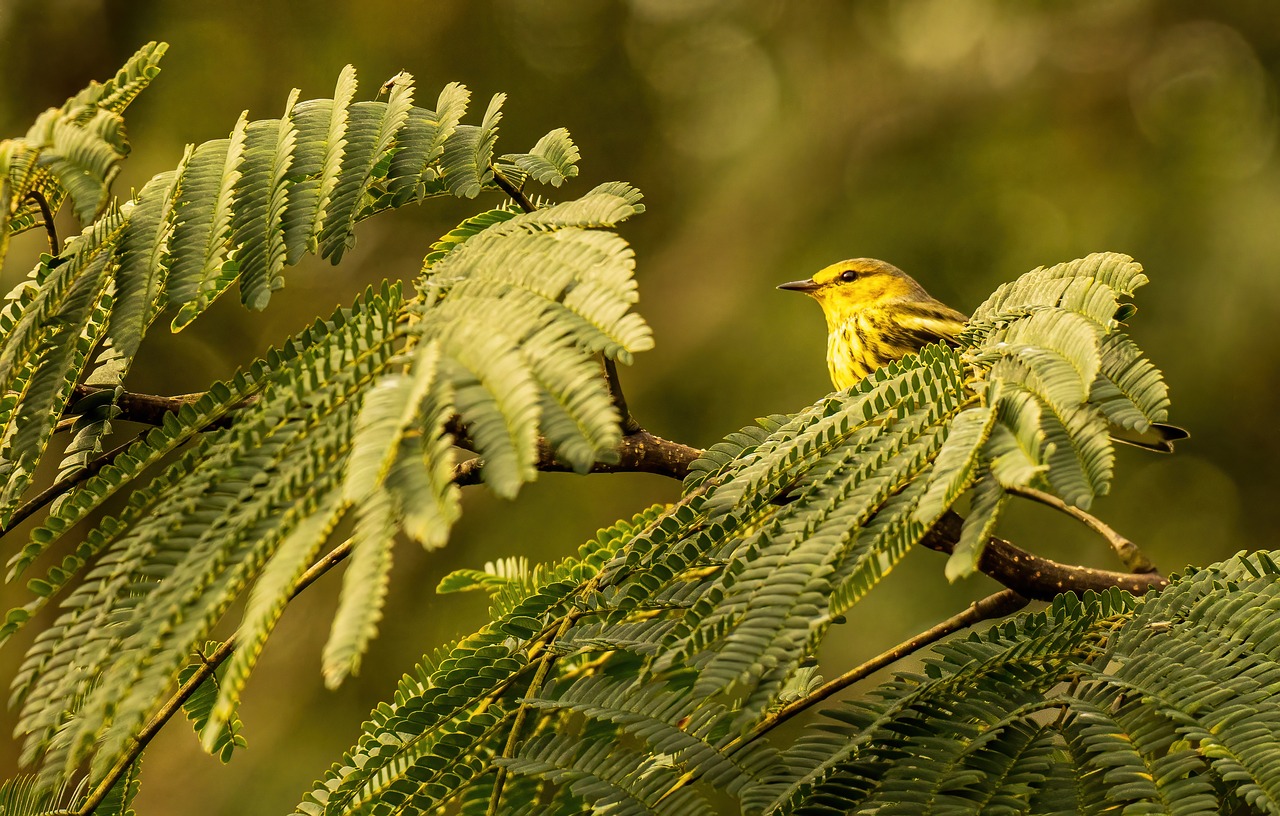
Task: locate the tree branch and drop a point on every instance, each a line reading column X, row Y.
column 1030, row 575
column 1133, row 558
column 999, row 605
column 629, row 423
column 1035, row 577
column 146, row 409
column 1027, row 576
column 638, row 452
column 149, row 409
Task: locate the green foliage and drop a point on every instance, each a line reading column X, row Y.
column 1095, row 704
column 357, row 413
column 235, row 209
column 645, row 674
column 651, row 680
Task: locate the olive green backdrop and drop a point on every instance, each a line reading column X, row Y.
column 966, row 141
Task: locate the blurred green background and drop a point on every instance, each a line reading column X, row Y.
column 966, row 141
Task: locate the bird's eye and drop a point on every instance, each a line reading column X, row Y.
column 848, row 276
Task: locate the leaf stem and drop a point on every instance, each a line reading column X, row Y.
column 513, row 192
column 1002, row 603
column 1133, row 558
column 998, row 605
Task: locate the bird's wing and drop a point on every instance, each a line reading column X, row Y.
column 928, row 323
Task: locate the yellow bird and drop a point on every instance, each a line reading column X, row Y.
column 876, row 313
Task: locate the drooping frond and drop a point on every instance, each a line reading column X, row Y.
column 358, row 412
column 73, row 151
column 23, row 795
column 517, row 305
column 192, row 542
column 464, row 162
column 45, row 350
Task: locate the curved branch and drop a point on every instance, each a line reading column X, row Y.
column 1003, row 603
column 46, row 214
column 1035, row 577
column 1030, row 575
column 999, row 605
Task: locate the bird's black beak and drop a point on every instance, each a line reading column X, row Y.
column 799, row 286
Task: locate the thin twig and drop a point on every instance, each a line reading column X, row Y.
column 207, row 667
column 46, row 214
column 515, row 193
column 1133, row 558
column 61, row 486
column 629, row 424
column 1002, row 603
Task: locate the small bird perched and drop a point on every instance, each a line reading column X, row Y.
column 876, row 313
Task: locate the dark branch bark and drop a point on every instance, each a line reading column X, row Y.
column 46, row 215
column 148, row 409
column 1035, row 577
column 638, row 452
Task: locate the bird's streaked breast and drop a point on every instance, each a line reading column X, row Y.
column 872, row 338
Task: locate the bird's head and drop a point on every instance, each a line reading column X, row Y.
column 857, row 284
